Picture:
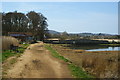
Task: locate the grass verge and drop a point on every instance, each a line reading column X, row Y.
column 8, row 53
column 76, row 71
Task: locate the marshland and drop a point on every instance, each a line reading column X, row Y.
column 60, row 40
column 102, row 64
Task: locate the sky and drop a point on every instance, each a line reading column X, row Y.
column 73, row 17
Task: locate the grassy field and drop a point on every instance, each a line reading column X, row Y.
column 101, row 64
column 75, row 70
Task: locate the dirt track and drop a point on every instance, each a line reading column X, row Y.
column 37, row 62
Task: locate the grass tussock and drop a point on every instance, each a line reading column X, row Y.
column 7, row 41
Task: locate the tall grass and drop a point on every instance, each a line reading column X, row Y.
column 101, row 64
column 7, row 41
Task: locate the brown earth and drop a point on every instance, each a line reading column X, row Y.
column 37, row 62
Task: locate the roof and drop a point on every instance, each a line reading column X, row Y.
column 17, row 35
column 20, row 34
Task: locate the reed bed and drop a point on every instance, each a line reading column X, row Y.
column 7, row 41
column 101, row 64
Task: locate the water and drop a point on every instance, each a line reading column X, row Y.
column 96, row 48
column 106, row 49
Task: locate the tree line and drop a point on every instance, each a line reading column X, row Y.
column 33, row 22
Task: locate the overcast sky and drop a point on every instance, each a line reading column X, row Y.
column 73, row 17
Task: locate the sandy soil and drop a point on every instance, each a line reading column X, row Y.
column 37, row 62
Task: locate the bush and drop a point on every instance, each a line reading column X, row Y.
column 7, row 41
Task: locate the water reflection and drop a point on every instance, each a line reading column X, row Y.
column 106, row 49
column 95, row 47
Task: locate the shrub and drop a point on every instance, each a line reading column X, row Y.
column 7, row 41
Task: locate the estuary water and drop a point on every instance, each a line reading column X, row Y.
column 106, row 49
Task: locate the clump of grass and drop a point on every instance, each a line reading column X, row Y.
column 76, row 71
column 7, row 41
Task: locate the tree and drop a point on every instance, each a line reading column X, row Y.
column 64, row 35
column 19, row 22
column 14, row 22
column 39, row 24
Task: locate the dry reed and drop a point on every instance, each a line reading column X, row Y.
column 101, row 64
column 7, row 41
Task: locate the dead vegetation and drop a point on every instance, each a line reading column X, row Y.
column 7, row 41
column 102, row 64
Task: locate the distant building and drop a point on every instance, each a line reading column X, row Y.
column 53, row 39
column 23, row 36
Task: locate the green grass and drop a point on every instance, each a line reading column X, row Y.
column 75, row 70
column 110, row 44
column 8, row 53
column 55, row 53
column 78, row 72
